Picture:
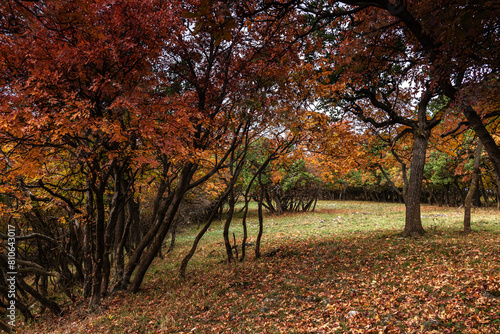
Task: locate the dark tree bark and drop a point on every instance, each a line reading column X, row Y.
column 261, row 221
column 484, row 192
column 421, row 133
column 245, row 230
column 50, row 304
column 472, row 189
column 173, row 235
column 98, row 251
column 227, row 224
column 202, row 232
column 213, row 214
column 485, row 137
column 87, row 244
column 413, row 222
column 158, row 238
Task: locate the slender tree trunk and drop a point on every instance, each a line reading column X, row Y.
column 413, row 222
column 498, row 191
column 229, row 218
column 76, row 241
column 201, row 233
column 472, row 189
column 98, row 253
column 484, row 192
column 459, row 193
column 213, row 214
column 245, row 230
column 136, row 256
column 123, row 224
column 261, row 222
column 120, row 230
column 117, row 208
column 88, row 226
column 227, row 224
column 173, row 234
column 52, row 305
column 152, row 251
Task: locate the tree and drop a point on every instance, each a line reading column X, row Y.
column 109, row 104
column 373, row 85
column 74, row 78
column 405, row 43
column 459, row 43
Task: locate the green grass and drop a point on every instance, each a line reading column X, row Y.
column 346, row 256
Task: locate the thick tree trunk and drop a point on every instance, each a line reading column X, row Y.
column 106, row 271
column 472, row 189
column 413, row 222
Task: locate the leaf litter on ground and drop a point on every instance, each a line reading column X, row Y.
column 359, row 282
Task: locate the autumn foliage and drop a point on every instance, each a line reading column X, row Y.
column 118, row 118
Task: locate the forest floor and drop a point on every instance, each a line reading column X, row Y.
column 343, row 268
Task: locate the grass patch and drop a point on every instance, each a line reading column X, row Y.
column 346, row 256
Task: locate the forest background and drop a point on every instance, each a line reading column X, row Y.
column 122, row 120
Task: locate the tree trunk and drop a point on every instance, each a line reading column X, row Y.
column 213, row 214
column 157, row 241
column 173, row 234
column 245, row 230
column 88, row 242
column 227, row 224
column 123, row 224
column 459, row 193
column 472, row 189
column 485, row 137
column 498, row 191
column 98, row 252
column 201, row 233
column 162, row 222
column 106, row 271
column 261, row 222
column 149, row 255
column 413, row 222
column 132, row 219
column 484, row 192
